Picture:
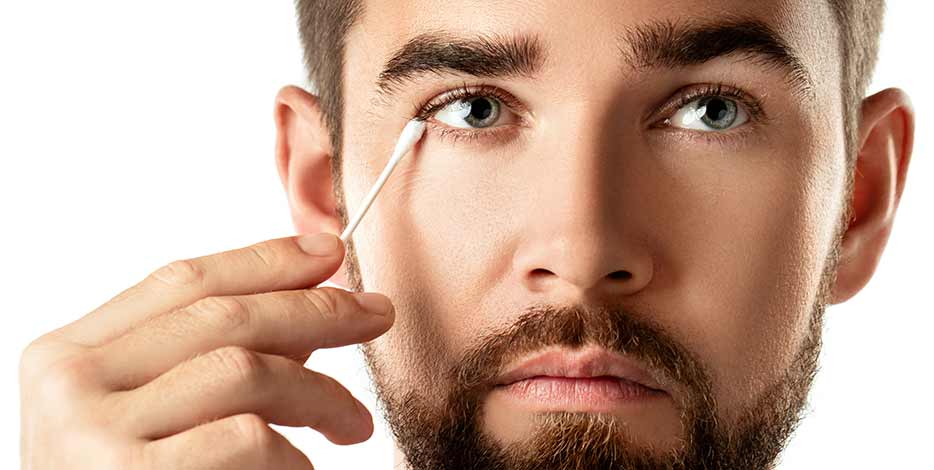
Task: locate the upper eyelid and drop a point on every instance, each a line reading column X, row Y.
column 658, row 116
column 431, row 106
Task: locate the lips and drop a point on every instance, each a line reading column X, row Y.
column 587, row 363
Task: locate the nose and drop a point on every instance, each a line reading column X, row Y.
column 581, row 262
column 586, row 237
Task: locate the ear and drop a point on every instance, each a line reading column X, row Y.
column 303, row 160
column 886, row 137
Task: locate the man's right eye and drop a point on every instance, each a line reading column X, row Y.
column 472, row 113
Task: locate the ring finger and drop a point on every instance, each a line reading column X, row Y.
column 234, row 380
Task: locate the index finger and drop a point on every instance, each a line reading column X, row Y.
column 286, row 263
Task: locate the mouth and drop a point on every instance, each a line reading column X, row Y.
column 589, row 379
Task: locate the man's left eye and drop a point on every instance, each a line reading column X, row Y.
column 471, row 113
column 710, row 114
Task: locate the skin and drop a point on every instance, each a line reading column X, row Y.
column 202, row 351
column 727, row 257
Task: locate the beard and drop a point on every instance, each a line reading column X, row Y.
column 451, row 436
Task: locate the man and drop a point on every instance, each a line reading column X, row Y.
column 613, row 248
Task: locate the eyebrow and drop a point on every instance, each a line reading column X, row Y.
column 671, row 45
column 646, row 46
column 440, row 52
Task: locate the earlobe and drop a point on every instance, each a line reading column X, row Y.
column 886, row 138
column 303, row 160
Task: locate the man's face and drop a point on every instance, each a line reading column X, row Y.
column 660, row 181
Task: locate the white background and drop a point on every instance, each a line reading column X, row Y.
column 136, row 133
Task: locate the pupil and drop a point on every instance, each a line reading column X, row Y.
column 716, row 110
column 480, row 109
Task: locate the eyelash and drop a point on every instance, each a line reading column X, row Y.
column 692, row 93
column 427, row 109
column 463, row 92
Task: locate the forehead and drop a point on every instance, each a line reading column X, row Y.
column 386, row 24
column 399, row 19
column 576, row 35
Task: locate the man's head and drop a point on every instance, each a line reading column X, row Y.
column 625, row 185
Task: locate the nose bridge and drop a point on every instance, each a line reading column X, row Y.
column 576, row 189
column 579, row 241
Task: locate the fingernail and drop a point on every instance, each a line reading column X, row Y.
column 319, row 244
column 374, row 303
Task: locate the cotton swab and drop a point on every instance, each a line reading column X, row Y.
column 411, row 134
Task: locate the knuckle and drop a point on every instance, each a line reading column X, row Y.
column 253, row 432
column 324, row 300
column 224, row 312
column 243, row 363
column 31, row 358
column 336, row 394
column 265, row 254
column 65, row 380
column 331, row 387
column 180, row 273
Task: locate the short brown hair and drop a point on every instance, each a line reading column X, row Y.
column 322, row 27
column 860, row 25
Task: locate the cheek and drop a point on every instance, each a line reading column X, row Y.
column 430, row 242
column 749, row 254
column 451, row 207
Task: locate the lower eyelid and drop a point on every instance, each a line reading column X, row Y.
column 736, row 137
column 492, row 135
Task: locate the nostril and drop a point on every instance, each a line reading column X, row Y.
column 540, row 272
column 620, row 275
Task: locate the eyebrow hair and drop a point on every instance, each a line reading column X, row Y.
column 668, row 44
column 484, row 56
column 650, row 45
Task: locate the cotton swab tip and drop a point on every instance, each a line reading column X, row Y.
column 410, row 135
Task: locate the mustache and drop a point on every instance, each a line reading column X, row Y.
column 450, row 434
column 614, row 329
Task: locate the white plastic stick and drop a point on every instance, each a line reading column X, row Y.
column 411, row 134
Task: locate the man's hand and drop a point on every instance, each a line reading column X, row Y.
column 185, row 369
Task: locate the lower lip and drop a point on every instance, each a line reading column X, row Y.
column 580, row 393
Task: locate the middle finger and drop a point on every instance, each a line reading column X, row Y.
column 231, row 381
column 287, row 323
